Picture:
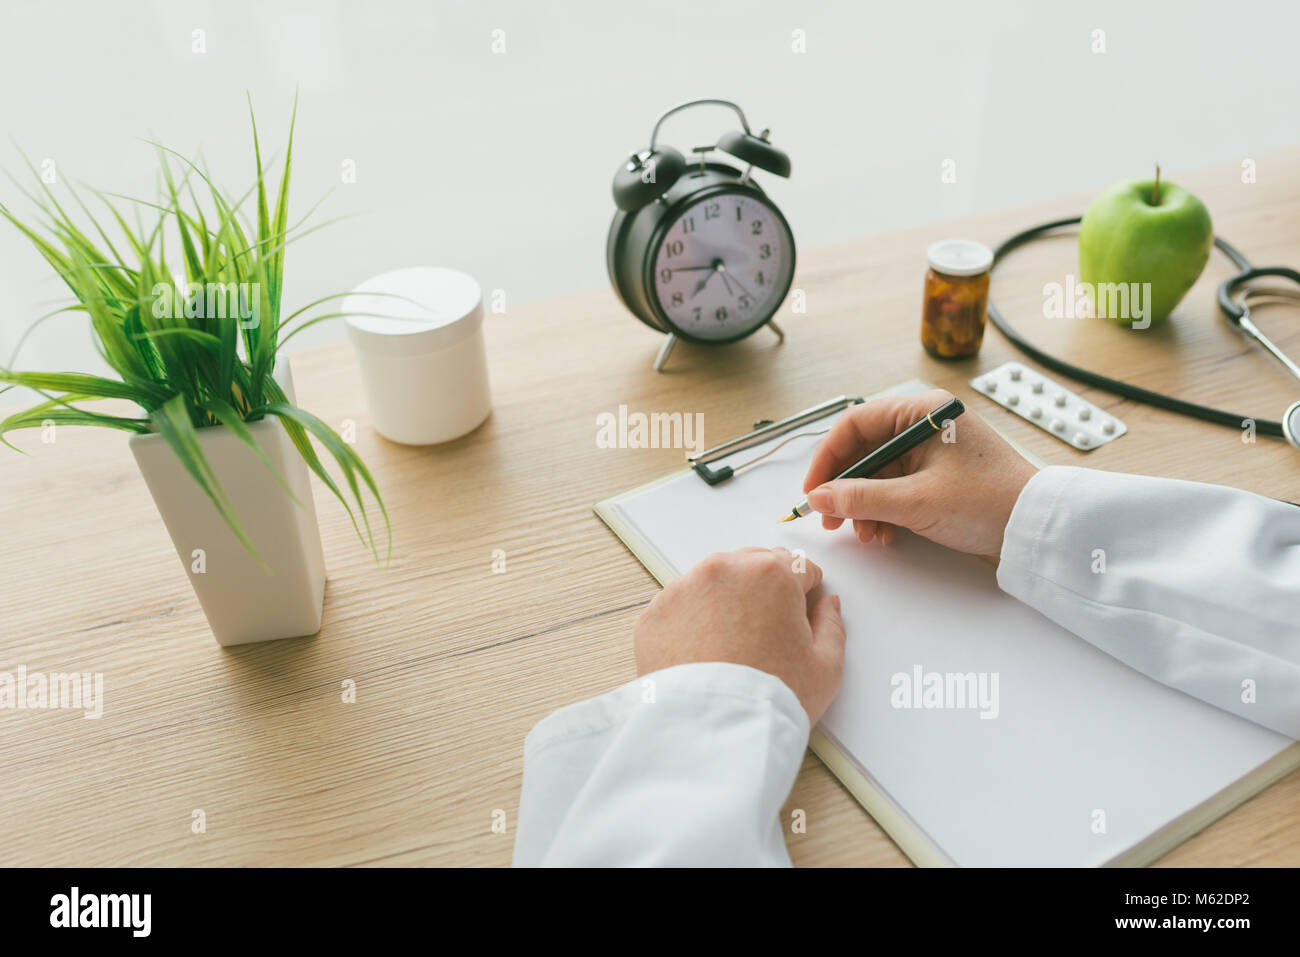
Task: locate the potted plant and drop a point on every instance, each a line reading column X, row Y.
column 221, row 444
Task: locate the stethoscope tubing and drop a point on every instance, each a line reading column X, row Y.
column 1127, row 390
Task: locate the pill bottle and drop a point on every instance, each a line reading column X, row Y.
column 956, row 298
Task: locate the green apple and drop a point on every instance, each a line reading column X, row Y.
column 1142, row 232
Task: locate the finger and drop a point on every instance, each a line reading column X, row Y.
column 808, row 572
column 830, row 522
column 886, row 532
column 893, row 500
column 865, row 427
column 828, row 637
column 894, row 469
column 866, row 530
column 784, row 556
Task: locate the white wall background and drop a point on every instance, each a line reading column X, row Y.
column 500, row 164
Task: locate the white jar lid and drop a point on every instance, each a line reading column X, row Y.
column 960, row 257
column 415, row 310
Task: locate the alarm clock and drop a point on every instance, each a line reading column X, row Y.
column 698, row 250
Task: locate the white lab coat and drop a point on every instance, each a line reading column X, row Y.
column 1200, row 591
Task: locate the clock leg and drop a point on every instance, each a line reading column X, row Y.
column 664, row 352
column 780, row 336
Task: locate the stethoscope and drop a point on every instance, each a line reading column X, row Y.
column 1236, row 311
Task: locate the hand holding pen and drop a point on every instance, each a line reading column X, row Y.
column 957, row 492
column 893, row 449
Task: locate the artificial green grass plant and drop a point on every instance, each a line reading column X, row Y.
column 189, row 360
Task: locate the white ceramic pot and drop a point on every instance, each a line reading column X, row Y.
column 244, row 602
column 418, row 337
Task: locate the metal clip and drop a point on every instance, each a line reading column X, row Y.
column 764, row 431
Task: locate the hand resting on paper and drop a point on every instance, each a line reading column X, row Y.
column 757, row 607
column 957, row 493
column 743, row 606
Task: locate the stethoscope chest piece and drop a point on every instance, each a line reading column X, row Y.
column 1291, row 424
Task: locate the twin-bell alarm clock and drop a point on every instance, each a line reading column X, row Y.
column 696, row 249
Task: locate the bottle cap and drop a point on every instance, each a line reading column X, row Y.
column 959, row 257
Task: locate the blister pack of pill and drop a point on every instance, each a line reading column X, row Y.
column 1052, row 407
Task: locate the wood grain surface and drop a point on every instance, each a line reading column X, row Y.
column 453, row 663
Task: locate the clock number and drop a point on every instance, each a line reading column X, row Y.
column 688, row 224
column 765, row 250
column 712, row 211
column 677, row 299
column 675, row 247
column 744, row 302
column 665, row 275
column 740, row 213
column 721, row 314
column 759, row 279
column 696, row 310
column 758, row 228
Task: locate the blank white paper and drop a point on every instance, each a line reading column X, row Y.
column 1076, row 733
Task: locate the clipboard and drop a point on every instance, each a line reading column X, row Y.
column 891, row 819
column 1267, row 759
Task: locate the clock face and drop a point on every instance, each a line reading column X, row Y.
column 723, row 266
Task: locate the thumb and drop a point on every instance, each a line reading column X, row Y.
column 879, row 500
column 828, row 639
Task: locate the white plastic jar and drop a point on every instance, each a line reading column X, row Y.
column 418, row 337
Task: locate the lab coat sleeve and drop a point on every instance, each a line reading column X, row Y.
column 1196, row 586
column 688, row 766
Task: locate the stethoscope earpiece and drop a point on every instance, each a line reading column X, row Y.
column 1233, row 310
column 1238, row 311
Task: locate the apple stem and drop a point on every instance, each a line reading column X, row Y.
column 1155, row 188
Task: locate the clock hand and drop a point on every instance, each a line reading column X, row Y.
column 717, row 267
column 742, row 288
column 729, row 278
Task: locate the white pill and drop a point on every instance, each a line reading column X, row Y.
column 1015, row 375
column 1037, row 387
column 990, row 385
column 1058, row 425
column 1013, row 400
column 1109, row 428
column 1036, row 412
column 1060, row 398
column 1085, row 413
column 1080, row 439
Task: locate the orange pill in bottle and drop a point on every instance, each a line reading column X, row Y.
column 956, row 298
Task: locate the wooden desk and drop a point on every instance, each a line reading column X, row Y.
column 452, row 663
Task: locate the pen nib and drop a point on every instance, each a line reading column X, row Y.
column 788, row 518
